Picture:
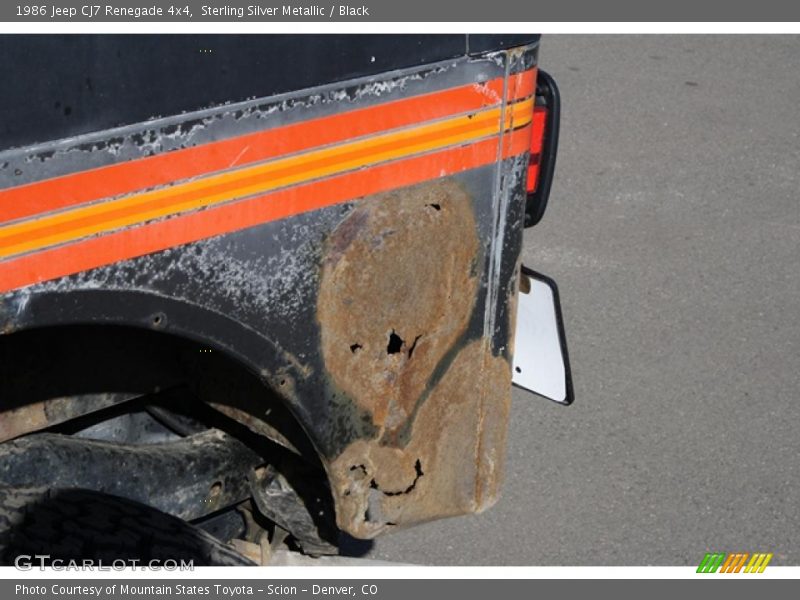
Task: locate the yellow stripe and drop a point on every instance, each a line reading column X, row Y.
column 276, row 164
column 755, row 562
column 765, row 563
column 482, row 124
column 749, row 566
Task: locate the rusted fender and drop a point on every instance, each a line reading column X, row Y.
column 401, row 337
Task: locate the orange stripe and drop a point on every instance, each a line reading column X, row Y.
column 728, row 562
column 133, row 210
column 160, row 235
column 741, row 562
column 69, row 190
column 232, row 186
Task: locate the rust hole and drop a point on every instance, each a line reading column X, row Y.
column 216, row 490
column 417, row 467
column 435, row 206
column 361, row 468
column 395, row 343
column 354, row 347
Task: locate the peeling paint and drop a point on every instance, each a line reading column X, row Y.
column 12, row 308
column 283, row 283
column 164, row 134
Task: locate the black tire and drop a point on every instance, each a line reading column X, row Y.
column 73, row 525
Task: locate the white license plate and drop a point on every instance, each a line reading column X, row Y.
column 541, row 363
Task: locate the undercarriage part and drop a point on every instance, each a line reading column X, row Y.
column 144, row 420
column 178, row 423
column 51, row 376
column 59, row 374
column 183, row 440
column 224, row 525
column 135, row 427
column 46, row 413
column 73, row 525
column 271, row 539
column 252, row 551
column 188, row 478
column 309, row 518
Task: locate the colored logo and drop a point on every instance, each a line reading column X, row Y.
column 734, row 562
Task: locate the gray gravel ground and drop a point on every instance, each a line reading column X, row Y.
column 674, row 233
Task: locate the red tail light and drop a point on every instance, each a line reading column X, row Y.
column 544, row 146
column 537, row 138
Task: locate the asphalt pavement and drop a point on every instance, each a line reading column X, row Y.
column 674, row 234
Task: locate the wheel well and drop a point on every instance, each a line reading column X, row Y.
column 66, row 370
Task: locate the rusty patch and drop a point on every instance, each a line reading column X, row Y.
column 19, row 421
column 452, row 464
column 397, row 289
column 254, row 423
column 38, row 415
